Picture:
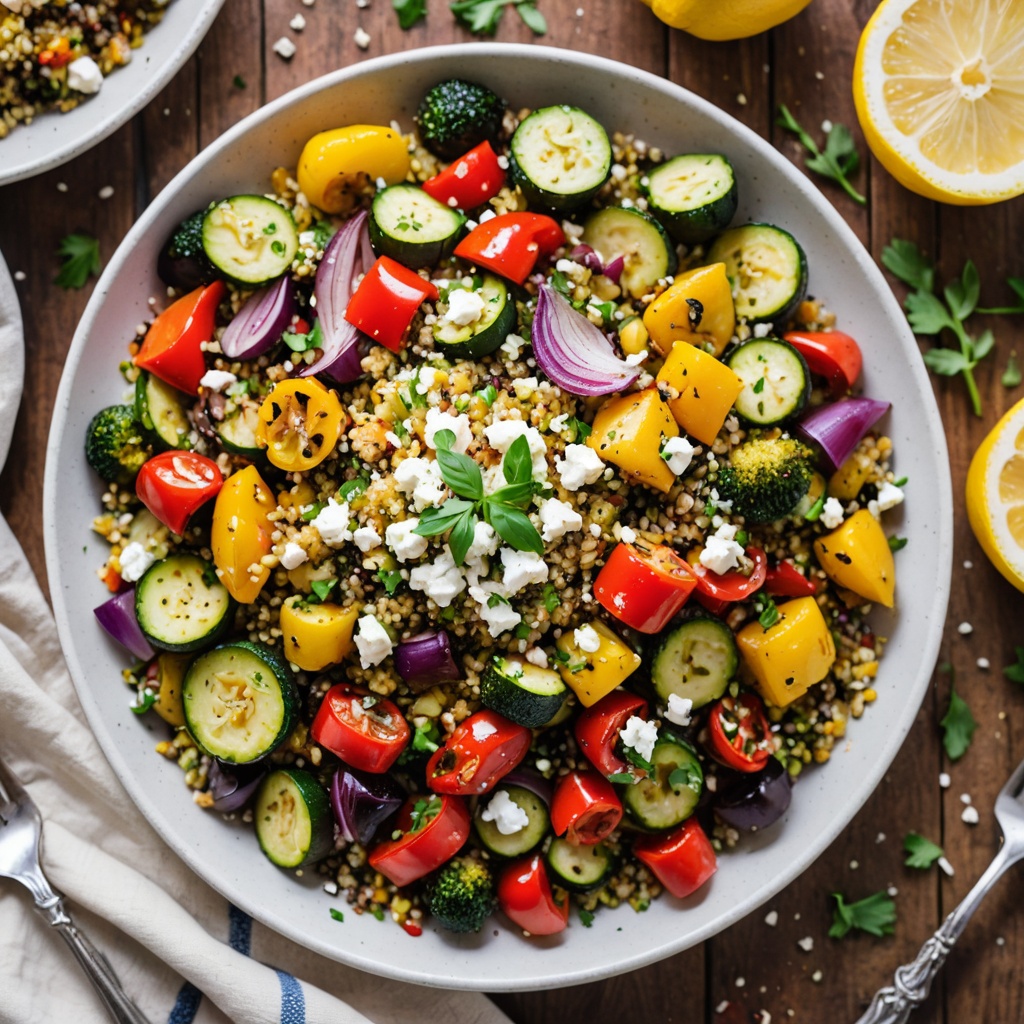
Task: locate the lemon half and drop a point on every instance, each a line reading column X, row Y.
column 939, row 91
column 725, row 19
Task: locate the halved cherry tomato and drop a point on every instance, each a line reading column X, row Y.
column 715, row 591
column 511, row 243
column 644, row 587
column 299, row 422
column 386, row 301
column 830, row 354
column 430, row 829
column 469, row 181
column 173, row 485
column 786, row 580
column 525, row 896
column 682, row 861
column 482, row 749
column 597, row 729
column 585, row 808
column 365, row 731
column 171, row 348
column 739, row 734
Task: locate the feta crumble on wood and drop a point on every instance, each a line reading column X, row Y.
column 284, row 48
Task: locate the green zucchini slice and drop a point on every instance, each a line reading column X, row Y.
column 580, row 868
column 412, row 227
column 524, row 839
column 159, row 409
column 694, row 196
column 237, row 431
column 639, row 239
column 669, row 795
column 293, row 818
column 250, row 239
column 486, row 334
column 696, row 660
column 776, row 381
column 523, row 693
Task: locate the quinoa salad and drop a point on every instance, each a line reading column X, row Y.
column 493, row 521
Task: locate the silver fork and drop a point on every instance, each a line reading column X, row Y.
column 893, row 1004
column 20, row 829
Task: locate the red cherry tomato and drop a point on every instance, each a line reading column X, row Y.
column 597, row 730
column 386, row 301
column 469, row 181
column 525, row 896
column 644, row 587
column 585, row 808
column 171, row 348
column 173, row 485
column 786, row 580
column 482, row 749
column 366, row 732
column 739, row 734
column 716, row 591
column 431, row 829
column 511, row 243
column 682, row 861
column 830, row 354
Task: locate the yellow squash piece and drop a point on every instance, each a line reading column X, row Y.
column 316, row 635
column 240, row 534
column 725, row 19
column 707, row 390
column 846, row 482
column 593, row 674
column 337, row 165
column 170, row 673
column 788, row 658
column 299, row 424
column 630, row 431
column 857, row 556
column 697, row 307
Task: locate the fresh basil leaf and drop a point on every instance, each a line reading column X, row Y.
column 321, row 590
column 350, row 488
column 517, row 465
column 444, row 440
column 461, row 474
column 435, row 521
column 512, row 494
column 515, row 528
column 461, row 538
column 391, row 578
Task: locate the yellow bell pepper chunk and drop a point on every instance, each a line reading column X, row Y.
column 298, row 496
column 240, row 534
column 170, row 674
column 857, row 556
column 633, row 336
column 337, row 165
column 707, row 390
column 316, row 635
column 697, row 307
column 846, row 482
column 630, row 431
column 593, row 674
column 789, row 657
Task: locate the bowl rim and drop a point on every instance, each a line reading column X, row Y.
column 897, row 727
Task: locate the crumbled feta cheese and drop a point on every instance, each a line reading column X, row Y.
column 293, row 555
column 366, row 538
column 559, row 423
column 521, row 569
column 464, row 307
column 524, row 387
column 332, row 523
column 627, row 535
column 595, row 530
column 965, row 798
column 393, row 439
column 501, row 434
column 217, row 380
column 581, row 466
column 889, row 496
column 771, row 918
column 441, row 580
column 946, row 866
column 721, row 552
column 485, row 543
column 84, row 75
column 587, row 639
column 135, row 560
column 636, row 358
column 806, row 943
column 969, row 816
column 677, row 453
column 965, row 629
column 511, row 345
column 422, row 480
column 507, row 815
column 498, row 616
column 983, row 663
column 458, row 425
column 361, row 38
column 679, row 709
column 373, row 641
column 832, row 513
column 639, row 734
column 284, row 48
column 535, row 656
column 762, row 330
column 298, row 23
column 558, row 518
column 106, row 192
column 944, row 780
column 405, row 544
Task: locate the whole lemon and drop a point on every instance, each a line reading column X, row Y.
column 725, row 19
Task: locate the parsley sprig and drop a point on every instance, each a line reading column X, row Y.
column 1015, row 673
column 409, row 11
column 482, row 17
column 81, row 255
column 921, row 853
column 930, row 315
column 874, row 914
column 958, row 726
column 1017, row 286
column 838, row 161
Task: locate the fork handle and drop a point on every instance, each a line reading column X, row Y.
column 93, row 962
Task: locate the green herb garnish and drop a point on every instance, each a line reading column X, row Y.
column 321, row 589
column 897, row 543
column 958, row 727
column 304, row 342
column 147, row 698
column 482, row 17
column 423, row 812
column 337, row 914
column 391, row 578
column 81, row 260
column 921, row 853
column 551, row 599
column 839, row 160
column 875, row 915
column 1015, row 673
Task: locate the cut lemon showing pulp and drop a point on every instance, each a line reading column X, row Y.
column 995, row 495
column 939, row 91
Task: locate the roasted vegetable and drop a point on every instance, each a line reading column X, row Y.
column 766, row 478
column 114, row 444
column 455, row 116
column 183, row 262
column 461, row 897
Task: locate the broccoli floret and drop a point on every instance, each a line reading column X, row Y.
column 183, row 262
column 114, row 444
column 461, row 896
column 766, row 478
column 455, row 116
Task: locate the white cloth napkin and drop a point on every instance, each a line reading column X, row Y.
column 181, row 951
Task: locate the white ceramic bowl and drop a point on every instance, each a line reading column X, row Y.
column 841, row 272
column 54, row 138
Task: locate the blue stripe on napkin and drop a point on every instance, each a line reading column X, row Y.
column 293, row 1002
column 239, row 930
column 186, row 1006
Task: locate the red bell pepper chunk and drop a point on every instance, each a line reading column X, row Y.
column 469, row 181
column 511, row 243
column 597, row 730
column 585, row 808
column 786, row 580
column 830, row 354
column 482, row 749
column 386, row 301
column 716, row 591
column 525, row 896
column 172, row 346
column 739, row 733
column 431, row 830
column 682, row 861
column 644, row 587
column 173, row 485
column 366, row 734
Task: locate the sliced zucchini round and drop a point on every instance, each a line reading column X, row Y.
column 522, row 692
column 237, row 431
column 240, row 701
column 670, row 794
column 767, row 269
column 560, row 157
column 412, row 227
column 637, row 237
column 523, row 840
column 776, row 381
column 696, row 660
column 580, row 868
column 159, row 409
column 250, row 239
column 694, row 196
column 181, row 605
column 488, row 332
column 293, row 818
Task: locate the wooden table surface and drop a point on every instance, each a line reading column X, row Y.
column 760, row 970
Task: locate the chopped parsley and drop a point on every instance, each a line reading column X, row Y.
column 551, row 599
column 337, row 914
column 874, row 914
column 921, row 853
column 391, row 578
column 424, row 811
column 81, row 255
column 321, row 589
column 958, row 726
